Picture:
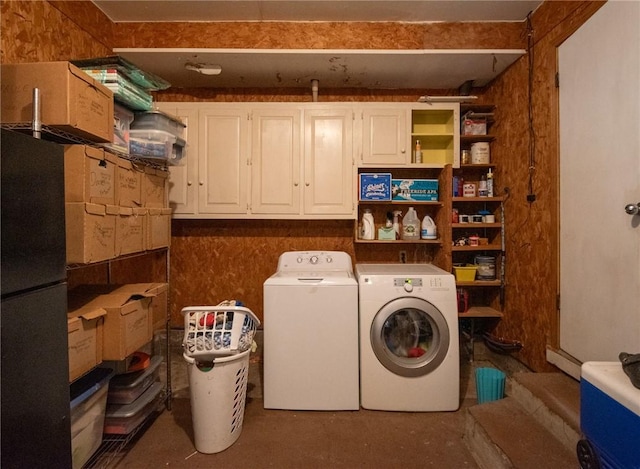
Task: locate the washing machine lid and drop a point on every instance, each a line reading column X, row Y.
column 302, row 278
column 402, row 270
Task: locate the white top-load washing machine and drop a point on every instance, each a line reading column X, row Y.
column 311, row 333
column 409, row 350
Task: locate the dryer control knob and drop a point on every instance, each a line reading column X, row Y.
column 408, row 287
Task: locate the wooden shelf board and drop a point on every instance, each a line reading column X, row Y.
column 476, row 225
column 477, row 199
column 486, row 247
column 481, row 312
column 399, row 241
column 436, row 203
column 479, row 283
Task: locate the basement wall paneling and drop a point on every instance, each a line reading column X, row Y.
column 216, row 260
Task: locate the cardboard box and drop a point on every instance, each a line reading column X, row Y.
column 91, row 232
column 85, row 332
column 473, row 126
column 158, row 228
column 414, row 190
column 70, row 100
column 130, row 176
column 90, row 175
column 127, row 324
column 154, row 188
column 375, row 186
column 130, row 230
column 160, row 306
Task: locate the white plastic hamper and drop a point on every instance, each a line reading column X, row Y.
column 218, row 396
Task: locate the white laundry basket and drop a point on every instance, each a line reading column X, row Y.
column 218, row 395
column 216, row 346
column 218, row 331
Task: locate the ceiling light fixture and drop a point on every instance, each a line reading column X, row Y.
column 204, row 69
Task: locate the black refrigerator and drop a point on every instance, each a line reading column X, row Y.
column 34, row 386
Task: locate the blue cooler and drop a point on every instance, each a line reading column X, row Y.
column 609, row 417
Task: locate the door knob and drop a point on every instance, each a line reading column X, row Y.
column 632, row 209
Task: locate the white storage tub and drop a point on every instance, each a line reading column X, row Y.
column 88, row 403
column 156, row 145
column 158, row 120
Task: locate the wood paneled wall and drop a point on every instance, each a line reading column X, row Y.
column 216, row 260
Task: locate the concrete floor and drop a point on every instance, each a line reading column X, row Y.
column 282, row 439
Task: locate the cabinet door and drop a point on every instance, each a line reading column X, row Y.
column 183, row 177
column 328, row 162
column 275, row 161
column 385, row 137
column 222, row 182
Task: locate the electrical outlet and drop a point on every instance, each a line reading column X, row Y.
column 402, row 255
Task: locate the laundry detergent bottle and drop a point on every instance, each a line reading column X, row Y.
column 429, row 230
column 411, row 225
column 368, row 225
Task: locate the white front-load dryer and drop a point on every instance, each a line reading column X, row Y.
column 409, row 349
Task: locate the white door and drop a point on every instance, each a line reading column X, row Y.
column 599, row 69
column 328, row 162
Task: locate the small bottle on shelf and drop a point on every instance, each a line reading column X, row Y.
column 418, row 153
column 490, row 183
column 482, row 186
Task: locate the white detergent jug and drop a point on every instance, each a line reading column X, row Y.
column 368, row 225
column 411, row 225
column 429, row 230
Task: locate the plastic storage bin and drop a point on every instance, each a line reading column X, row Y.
column 158, row 120
column 88, row 404
column 156, row 145
column 126, row 388
column 218, row 391
column 609, row 417
column 125, row 418
column 465, row 273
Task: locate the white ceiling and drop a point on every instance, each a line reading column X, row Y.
column 375, row 69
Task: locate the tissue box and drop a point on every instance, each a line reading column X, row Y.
column 418, row 190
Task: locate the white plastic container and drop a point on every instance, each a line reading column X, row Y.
column 368, row 225
column 480, row 153
column 126, row 388
column 429, row 230
column 411, row 225
column 156, row 145
column 218, row 393
column 124, row 419
column 88, row 404
column 158, row 120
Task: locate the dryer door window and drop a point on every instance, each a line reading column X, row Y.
column 410, row 337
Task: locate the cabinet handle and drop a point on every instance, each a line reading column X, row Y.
column 306, row 184
column 295, row 184
column 189, row 183
column 403, row 150
column 202, row 183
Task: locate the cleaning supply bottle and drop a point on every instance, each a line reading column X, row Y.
column 411, row 225
column 396, row 223
column 429, row 230
column 417, row 157
column 490, row 183
column 368, row 225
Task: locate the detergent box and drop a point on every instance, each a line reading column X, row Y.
column 375, row 186
column 414, row 190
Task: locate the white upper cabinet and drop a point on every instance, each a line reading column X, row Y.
column 223, row 174
column 385, row 138
column 275, row 161
column 328, row 161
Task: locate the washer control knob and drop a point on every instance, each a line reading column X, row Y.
column 299, row 259
column 408, row 286
column 329, row 259
column 313, row 260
